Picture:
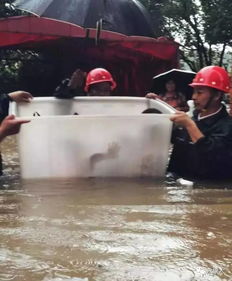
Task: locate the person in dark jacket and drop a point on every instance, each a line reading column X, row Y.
column 202, row 145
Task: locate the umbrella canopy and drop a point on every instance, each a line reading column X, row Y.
column 128, row 17
column 182, row 79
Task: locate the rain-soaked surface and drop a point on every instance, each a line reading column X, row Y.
column 111, row 229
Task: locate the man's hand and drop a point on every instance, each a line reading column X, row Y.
column 77, row 79
column 10, row 126
column 20, row 96
column 182, row 119
column 153, row 96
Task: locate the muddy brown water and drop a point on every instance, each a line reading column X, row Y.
column 112, row 229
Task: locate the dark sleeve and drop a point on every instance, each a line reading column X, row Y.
column 4, row 106
column 215, row 153
column 215, row 143
column 63, row 91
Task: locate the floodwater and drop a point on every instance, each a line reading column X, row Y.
column 111, row 229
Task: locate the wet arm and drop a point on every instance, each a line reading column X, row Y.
column 193, row 131
column 182, row 119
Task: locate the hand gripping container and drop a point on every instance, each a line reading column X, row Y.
column 93, row 137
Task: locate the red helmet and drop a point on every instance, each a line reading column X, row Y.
column 98, row 75
column 212, row 76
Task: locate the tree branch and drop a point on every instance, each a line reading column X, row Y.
column 222, row 54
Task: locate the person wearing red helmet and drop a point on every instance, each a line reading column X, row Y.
column 203, row 144
column 98, row 82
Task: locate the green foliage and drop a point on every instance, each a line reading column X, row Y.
column 15, row 65
column 8, row 70
column 218, row 24
column 12, row 61
column 202, row 27
column 155, row 10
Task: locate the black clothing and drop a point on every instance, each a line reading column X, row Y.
column 63, row 91
column 211, row 156
column 4, row 105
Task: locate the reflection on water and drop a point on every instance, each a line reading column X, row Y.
column 100, row 230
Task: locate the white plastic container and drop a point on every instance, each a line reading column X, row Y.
column 110, row 137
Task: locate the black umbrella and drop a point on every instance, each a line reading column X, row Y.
column 182, row 79
column 124, row 16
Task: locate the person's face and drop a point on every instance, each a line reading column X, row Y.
column 171, row 99
column 100, row 89
column 170, row 86
column 201, row 97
